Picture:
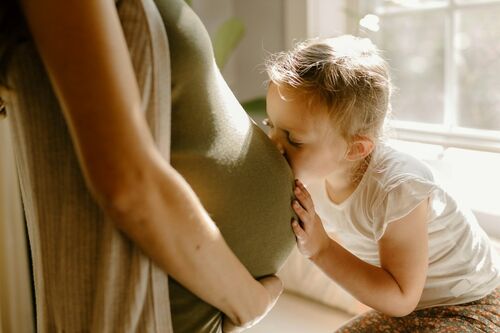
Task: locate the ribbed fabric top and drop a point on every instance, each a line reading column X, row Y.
column 88, row 276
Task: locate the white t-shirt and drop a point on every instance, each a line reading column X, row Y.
column 463, row 266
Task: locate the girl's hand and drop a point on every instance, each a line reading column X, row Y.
column 274, row 287
column 312, row 238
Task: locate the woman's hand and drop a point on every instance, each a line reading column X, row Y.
column 274, row 287
column 312, row 238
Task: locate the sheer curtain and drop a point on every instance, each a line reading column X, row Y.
column 16, row 313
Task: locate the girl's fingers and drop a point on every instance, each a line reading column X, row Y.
column 304, row 199
column 303, row 189
column 297, row 229
column 301, row 185
column 300, row 211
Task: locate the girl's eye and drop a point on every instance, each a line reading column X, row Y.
column 293, row 143
column 267, row 122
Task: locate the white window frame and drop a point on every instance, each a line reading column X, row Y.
column 326, row 18
column 448, row 133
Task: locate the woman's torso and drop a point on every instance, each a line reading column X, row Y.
column 240, row 177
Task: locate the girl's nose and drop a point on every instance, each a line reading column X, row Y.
column 280, row 148
column 277, row 142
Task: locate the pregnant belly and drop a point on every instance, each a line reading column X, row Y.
column 249, row 200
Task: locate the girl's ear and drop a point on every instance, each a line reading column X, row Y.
column 360, row 147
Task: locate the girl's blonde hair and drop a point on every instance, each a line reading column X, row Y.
column 346, row 73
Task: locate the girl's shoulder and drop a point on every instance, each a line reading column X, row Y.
column 396, row 179
column 390, row 166
column 397, row 182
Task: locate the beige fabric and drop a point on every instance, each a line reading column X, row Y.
column 88, row 276
column 16, row 313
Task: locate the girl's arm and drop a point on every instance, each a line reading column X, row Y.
column 84, row 51
column 394, row 288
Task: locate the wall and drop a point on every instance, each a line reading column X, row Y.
column 271, row 26
column 264, row 32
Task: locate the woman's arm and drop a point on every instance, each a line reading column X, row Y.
column 84, row 51
column 394, row 288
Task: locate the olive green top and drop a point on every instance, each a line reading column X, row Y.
column 240, row 177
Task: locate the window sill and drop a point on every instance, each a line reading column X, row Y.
column 461, row 138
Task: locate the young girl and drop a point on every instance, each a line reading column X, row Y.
column 373, row 218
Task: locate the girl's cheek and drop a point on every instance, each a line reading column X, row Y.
column 291, row 159
column 297, row 166
column 291, row 163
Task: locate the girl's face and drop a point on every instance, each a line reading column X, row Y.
column 304, row 135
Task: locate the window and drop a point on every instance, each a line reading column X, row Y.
column 444, row 57
column 445, row 63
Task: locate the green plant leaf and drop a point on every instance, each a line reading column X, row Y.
column 255, row 106
column 189, row 2
column 226, row 39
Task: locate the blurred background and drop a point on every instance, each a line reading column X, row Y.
column 444, row 57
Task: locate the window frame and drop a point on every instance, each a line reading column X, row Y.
column 448, row 133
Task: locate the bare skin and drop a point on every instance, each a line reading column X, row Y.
column 85, row 53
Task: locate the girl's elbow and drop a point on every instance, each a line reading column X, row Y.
column 401, row 309
column 401, row 312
